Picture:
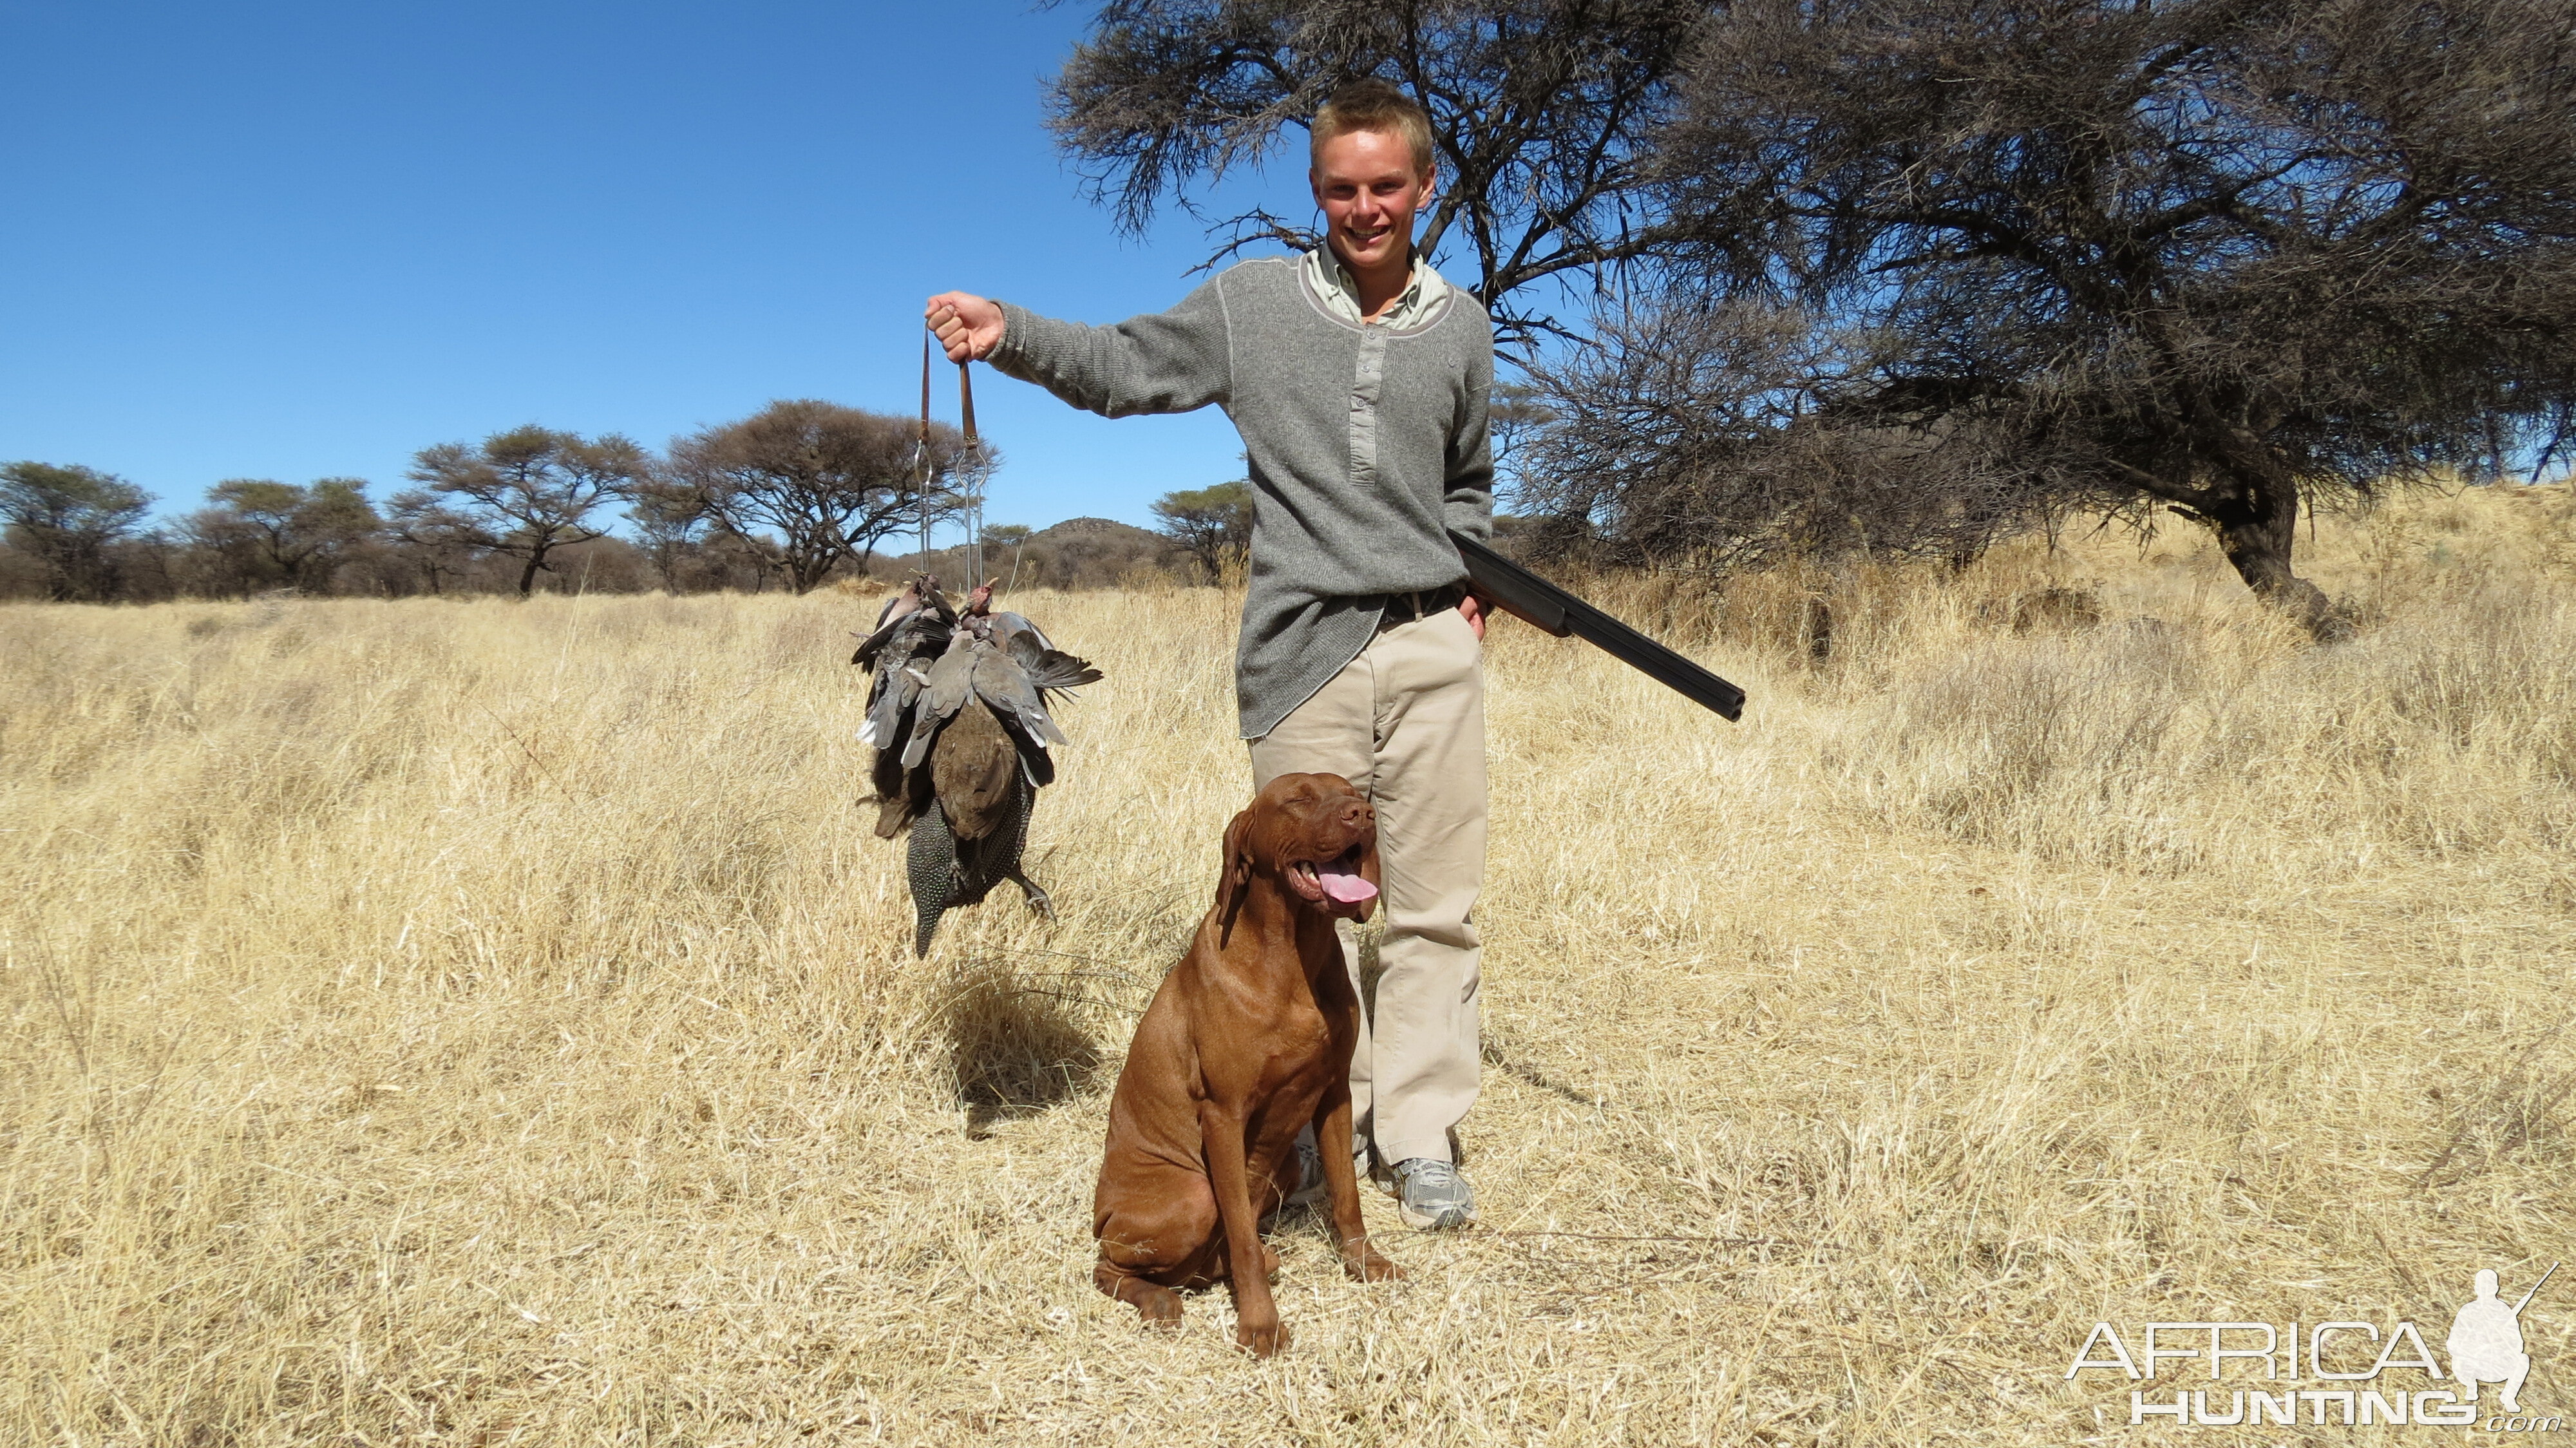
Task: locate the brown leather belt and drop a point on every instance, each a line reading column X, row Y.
column 1406, row 607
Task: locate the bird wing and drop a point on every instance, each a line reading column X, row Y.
column 900, row 647
column 865, row 655
column 910, row 631
column 877, row 683
column 889, row 618
column 1026, row 648
column 890, row 698
column 1009, row 625
column 1004, row 684
column 943, row 692
column 1051, row 670
column 899, row 605
column 925, row 635
column 1035, row 762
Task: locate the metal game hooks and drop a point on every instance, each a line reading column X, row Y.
column 970, row 467
column 971, row 472
column 921, row 456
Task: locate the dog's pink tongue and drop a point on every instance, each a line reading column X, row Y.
column 1346, row 889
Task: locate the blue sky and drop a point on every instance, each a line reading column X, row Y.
column 296, row 241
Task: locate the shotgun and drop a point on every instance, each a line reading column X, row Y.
column 1544, row 606
column 2535, row 1289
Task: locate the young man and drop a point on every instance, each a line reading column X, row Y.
column 1359, row 380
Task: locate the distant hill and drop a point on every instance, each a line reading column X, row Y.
column 1101, row 529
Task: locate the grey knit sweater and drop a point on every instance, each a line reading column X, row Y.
column 1366, row 445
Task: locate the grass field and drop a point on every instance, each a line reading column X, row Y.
column 487, row 1023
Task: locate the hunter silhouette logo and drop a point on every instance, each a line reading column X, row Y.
column 2486, row 1340
column 2353, row 1373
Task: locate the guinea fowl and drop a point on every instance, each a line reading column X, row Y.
column 957, row 711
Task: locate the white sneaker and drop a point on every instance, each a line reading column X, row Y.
column 1310, row 1172
column 1433, row 1196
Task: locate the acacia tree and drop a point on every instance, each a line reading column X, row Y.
column 668, row 522
column 1540, row 110
column 295, row 535
column 526, row 492
column 1212, row 525
column 431, row 536
column 806, row 483
column 1692, row 436
column 2222, row 255
column 222, row 553
column 69, row 519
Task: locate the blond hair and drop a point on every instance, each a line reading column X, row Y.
column 1371, row 104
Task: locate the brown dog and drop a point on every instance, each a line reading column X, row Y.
column 1248, row 1040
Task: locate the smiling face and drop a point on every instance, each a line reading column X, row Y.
column 1316, row 836
column 1367, row 185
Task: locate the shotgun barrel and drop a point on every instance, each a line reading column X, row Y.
column 2535, row 1289
column 1532, row 599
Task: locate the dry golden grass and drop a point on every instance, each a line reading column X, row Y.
column 490, row 1023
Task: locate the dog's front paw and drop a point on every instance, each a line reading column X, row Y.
column 1260, row 1336
column 1365, row 1264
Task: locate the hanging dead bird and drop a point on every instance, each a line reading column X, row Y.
column 958, row 714
column 919, row 592
column 972, row 837
column 913, row 630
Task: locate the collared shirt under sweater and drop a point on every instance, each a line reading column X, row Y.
column 1365, row 442
column 1333, row 283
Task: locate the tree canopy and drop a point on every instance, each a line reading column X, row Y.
column 525, row 492
column 2220, row 255
column 284, row 535
column 67, row 518
column 1540, row 110
column 1212, row 524
column 1790, row 279
column 807, row 484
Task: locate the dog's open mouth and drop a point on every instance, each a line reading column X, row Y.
column 1337, row 880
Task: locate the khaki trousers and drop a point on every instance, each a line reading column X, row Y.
column 1405, row 723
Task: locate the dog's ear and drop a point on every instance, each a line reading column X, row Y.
column 1237, row 874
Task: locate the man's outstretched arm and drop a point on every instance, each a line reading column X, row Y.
column 1175, row 361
